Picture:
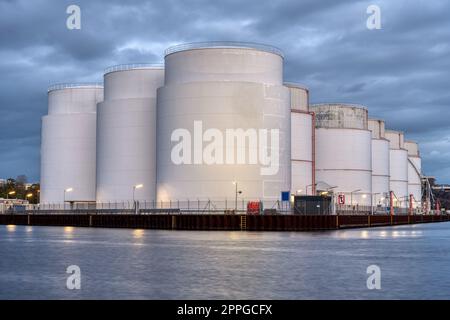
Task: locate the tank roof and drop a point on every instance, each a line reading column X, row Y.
column 133, row 66
column 377, row 119
column 394, row 131
column 86, row 85
column 337, row 104
column 295, row 85
column 223, row 45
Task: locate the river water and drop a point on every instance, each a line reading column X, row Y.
column 151, row 264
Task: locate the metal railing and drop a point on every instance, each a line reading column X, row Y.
column 223, row 44
column 133, row 66
column 60, row 86
column 194, row 205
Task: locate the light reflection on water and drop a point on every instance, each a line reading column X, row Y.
column 126, row 263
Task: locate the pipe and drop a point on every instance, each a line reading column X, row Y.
column 313, row 158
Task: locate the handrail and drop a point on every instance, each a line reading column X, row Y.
column 60, row 86
column 340, row 104
column 223, row 44
column 133, row 66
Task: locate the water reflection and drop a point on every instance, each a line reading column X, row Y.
column 159, row 264
column 138, row 233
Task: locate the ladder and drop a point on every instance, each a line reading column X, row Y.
column 243, row 222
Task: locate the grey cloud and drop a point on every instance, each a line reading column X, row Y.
column 401, row 73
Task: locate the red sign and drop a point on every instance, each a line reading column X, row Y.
column 341, row 199
column 253, row 207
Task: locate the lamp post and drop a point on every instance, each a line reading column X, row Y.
column 10, row 194
column 372, row 202
column 64, row 198
column 351, row 195
column 137, row 186
column 236, row 193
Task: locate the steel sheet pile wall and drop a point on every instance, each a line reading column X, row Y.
column 210, row 89
column 68, row 144
column 414, row 172
column 343, row 150
column 380, row 162
column 398, row 164
column 126, row 147
column 301, row 140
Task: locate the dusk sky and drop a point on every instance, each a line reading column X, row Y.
column 400, row 72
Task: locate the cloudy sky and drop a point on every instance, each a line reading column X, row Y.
column 401, row 72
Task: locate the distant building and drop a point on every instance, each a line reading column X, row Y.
column 6, row 204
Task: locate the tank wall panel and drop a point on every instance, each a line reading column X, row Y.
column 231, row 64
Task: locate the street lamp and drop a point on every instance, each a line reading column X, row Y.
column 236, row 192
column 138, row 186
column 351, row 195
column 10, row 194
column 372, row 202
column 64, row 199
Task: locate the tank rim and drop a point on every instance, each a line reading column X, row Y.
column 81, row 85
column 223, row 45
column 295, row 85
column 344, row 105
column 133, row 66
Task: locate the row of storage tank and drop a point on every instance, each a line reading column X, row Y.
column 102, row 141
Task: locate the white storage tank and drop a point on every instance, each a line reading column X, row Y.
column 68, row 143
column 126, row 133
column 414, row 173
column 215, row 92
column 344, row 151
column 302, row 131
column 380, row 162
column 398, row 163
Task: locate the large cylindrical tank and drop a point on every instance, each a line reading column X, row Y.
column 398, row 167
column 380, row 162
column 344, row 151
column 301, row 140
column 223, row 117
column 126, row 133
column 414, row 172
column 68, row 143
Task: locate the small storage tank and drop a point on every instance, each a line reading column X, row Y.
column 398, row 163
column 302, row 131
column 126, row 133
column 68, row 143
column 223, row 117
column 344, row 151
column 414, row 173
column 380, row 162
